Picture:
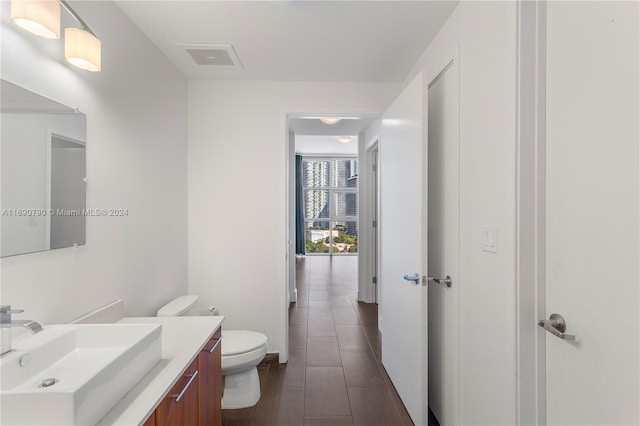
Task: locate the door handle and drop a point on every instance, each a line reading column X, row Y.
column 415, row 278
column 557, row 326
column 444, row 281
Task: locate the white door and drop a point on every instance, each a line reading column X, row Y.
column 443, row 223
column 403, row 247
column 592, row 219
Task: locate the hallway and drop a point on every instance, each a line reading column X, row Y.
column 334, row 376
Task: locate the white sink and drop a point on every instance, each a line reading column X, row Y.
column 92, row 367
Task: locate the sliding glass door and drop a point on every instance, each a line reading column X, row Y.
column 330, row 205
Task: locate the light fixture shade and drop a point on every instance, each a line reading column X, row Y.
column 345, row 139
column 82, row 49
column 330, row 120
column 40, row 17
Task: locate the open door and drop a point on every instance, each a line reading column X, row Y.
column 403, row 245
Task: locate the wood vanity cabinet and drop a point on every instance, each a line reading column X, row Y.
column 151, row 421
column 180, row 406
column 196, row 399
column 210, row 386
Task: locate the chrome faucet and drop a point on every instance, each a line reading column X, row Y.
column 6, row 324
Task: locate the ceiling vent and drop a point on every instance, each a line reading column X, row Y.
column 216, row 55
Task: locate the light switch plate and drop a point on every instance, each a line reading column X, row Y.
column 490, row 238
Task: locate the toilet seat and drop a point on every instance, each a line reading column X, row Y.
column 238, row 342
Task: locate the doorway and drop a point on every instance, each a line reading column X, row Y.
column 340, row 148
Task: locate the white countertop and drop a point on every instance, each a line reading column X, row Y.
column 182, row 340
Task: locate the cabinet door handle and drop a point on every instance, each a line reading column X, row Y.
column 215, row 345
column 179, row 396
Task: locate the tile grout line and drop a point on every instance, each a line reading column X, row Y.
column 344, row 377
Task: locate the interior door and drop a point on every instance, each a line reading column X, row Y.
column 592, row 197
column 403, row 247
column 443, row 224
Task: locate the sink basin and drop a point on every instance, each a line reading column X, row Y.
column 74, row 374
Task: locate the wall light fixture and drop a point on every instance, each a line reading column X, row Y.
column 42, row 17
column 38, row 17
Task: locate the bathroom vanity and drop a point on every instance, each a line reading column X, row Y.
column 185, row 387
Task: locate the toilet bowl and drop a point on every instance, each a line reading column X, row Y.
column 242, row 351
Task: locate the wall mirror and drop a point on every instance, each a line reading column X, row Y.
column 43, row 172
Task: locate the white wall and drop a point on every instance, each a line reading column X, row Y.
column 237, row 190
column 485, row 34
column 325, row 145
column 136, row 159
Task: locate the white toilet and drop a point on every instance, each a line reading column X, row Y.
column 242, row 351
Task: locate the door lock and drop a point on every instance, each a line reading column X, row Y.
column 446, row 281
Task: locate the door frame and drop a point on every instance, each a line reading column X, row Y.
column 54, row 132
column 375, row 156
column 368, row 234
column 531, row 211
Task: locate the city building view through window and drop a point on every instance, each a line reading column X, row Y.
column 331, row 205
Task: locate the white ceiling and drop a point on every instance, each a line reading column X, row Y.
column 377, row 41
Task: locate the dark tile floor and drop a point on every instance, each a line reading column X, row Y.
column 334, row 376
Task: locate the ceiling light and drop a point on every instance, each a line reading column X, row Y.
column 345, row 139
column 38, row 17
column 330, row 120
column 319, row 117
column 82, row 49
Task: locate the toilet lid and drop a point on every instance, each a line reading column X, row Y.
column 177, row 307
column 236, row 342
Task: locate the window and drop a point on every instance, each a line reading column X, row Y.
column 331, row 205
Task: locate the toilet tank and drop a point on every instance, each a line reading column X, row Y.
column 182, row 306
